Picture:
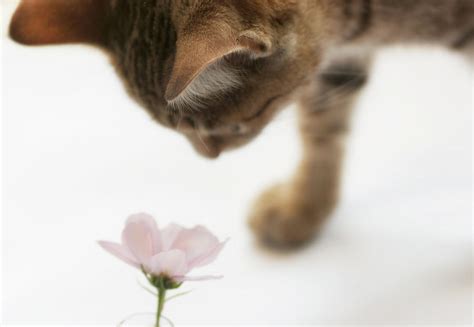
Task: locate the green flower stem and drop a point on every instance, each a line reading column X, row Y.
column 161, row 302
column 162, row 283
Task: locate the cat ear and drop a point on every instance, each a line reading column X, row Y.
column 194, row 53
column 38, row 22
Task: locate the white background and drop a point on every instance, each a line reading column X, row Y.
column 79, row 156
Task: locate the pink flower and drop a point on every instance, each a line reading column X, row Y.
column 170, row 252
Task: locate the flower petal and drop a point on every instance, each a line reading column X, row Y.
column 196, row 243
column 120, row 252
column 150, row 223
column 171, row 263
column 139, row 236
column 208, row 257
column 169, row 235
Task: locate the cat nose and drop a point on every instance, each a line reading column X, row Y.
column 205, row 145
column 213, row 153
column 209, row 151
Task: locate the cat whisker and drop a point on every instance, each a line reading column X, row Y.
column 343, row 89
column 202, row 140
column 334, row 97
column 178, row 125
column 344, row 72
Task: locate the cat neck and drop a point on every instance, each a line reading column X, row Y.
column 374, row 23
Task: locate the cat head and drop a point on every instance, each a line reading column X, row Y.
column 216, row 71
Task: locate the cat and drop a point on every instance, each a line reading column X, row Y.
column 218, row 71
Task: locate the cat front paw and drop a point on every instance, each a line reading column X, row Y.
column 279, row 221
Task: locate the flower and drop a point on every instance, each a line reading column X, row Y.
column 171, row 252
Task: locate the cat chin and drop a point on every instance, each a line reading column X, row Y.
column 211, row 146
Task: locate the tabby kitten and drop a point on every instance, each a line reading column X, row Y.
column 218, row 71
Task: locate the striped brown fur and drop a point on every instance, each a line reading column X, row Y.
column 283, row 50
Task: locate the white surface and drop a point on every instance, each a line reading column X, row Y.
column 79, row 156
